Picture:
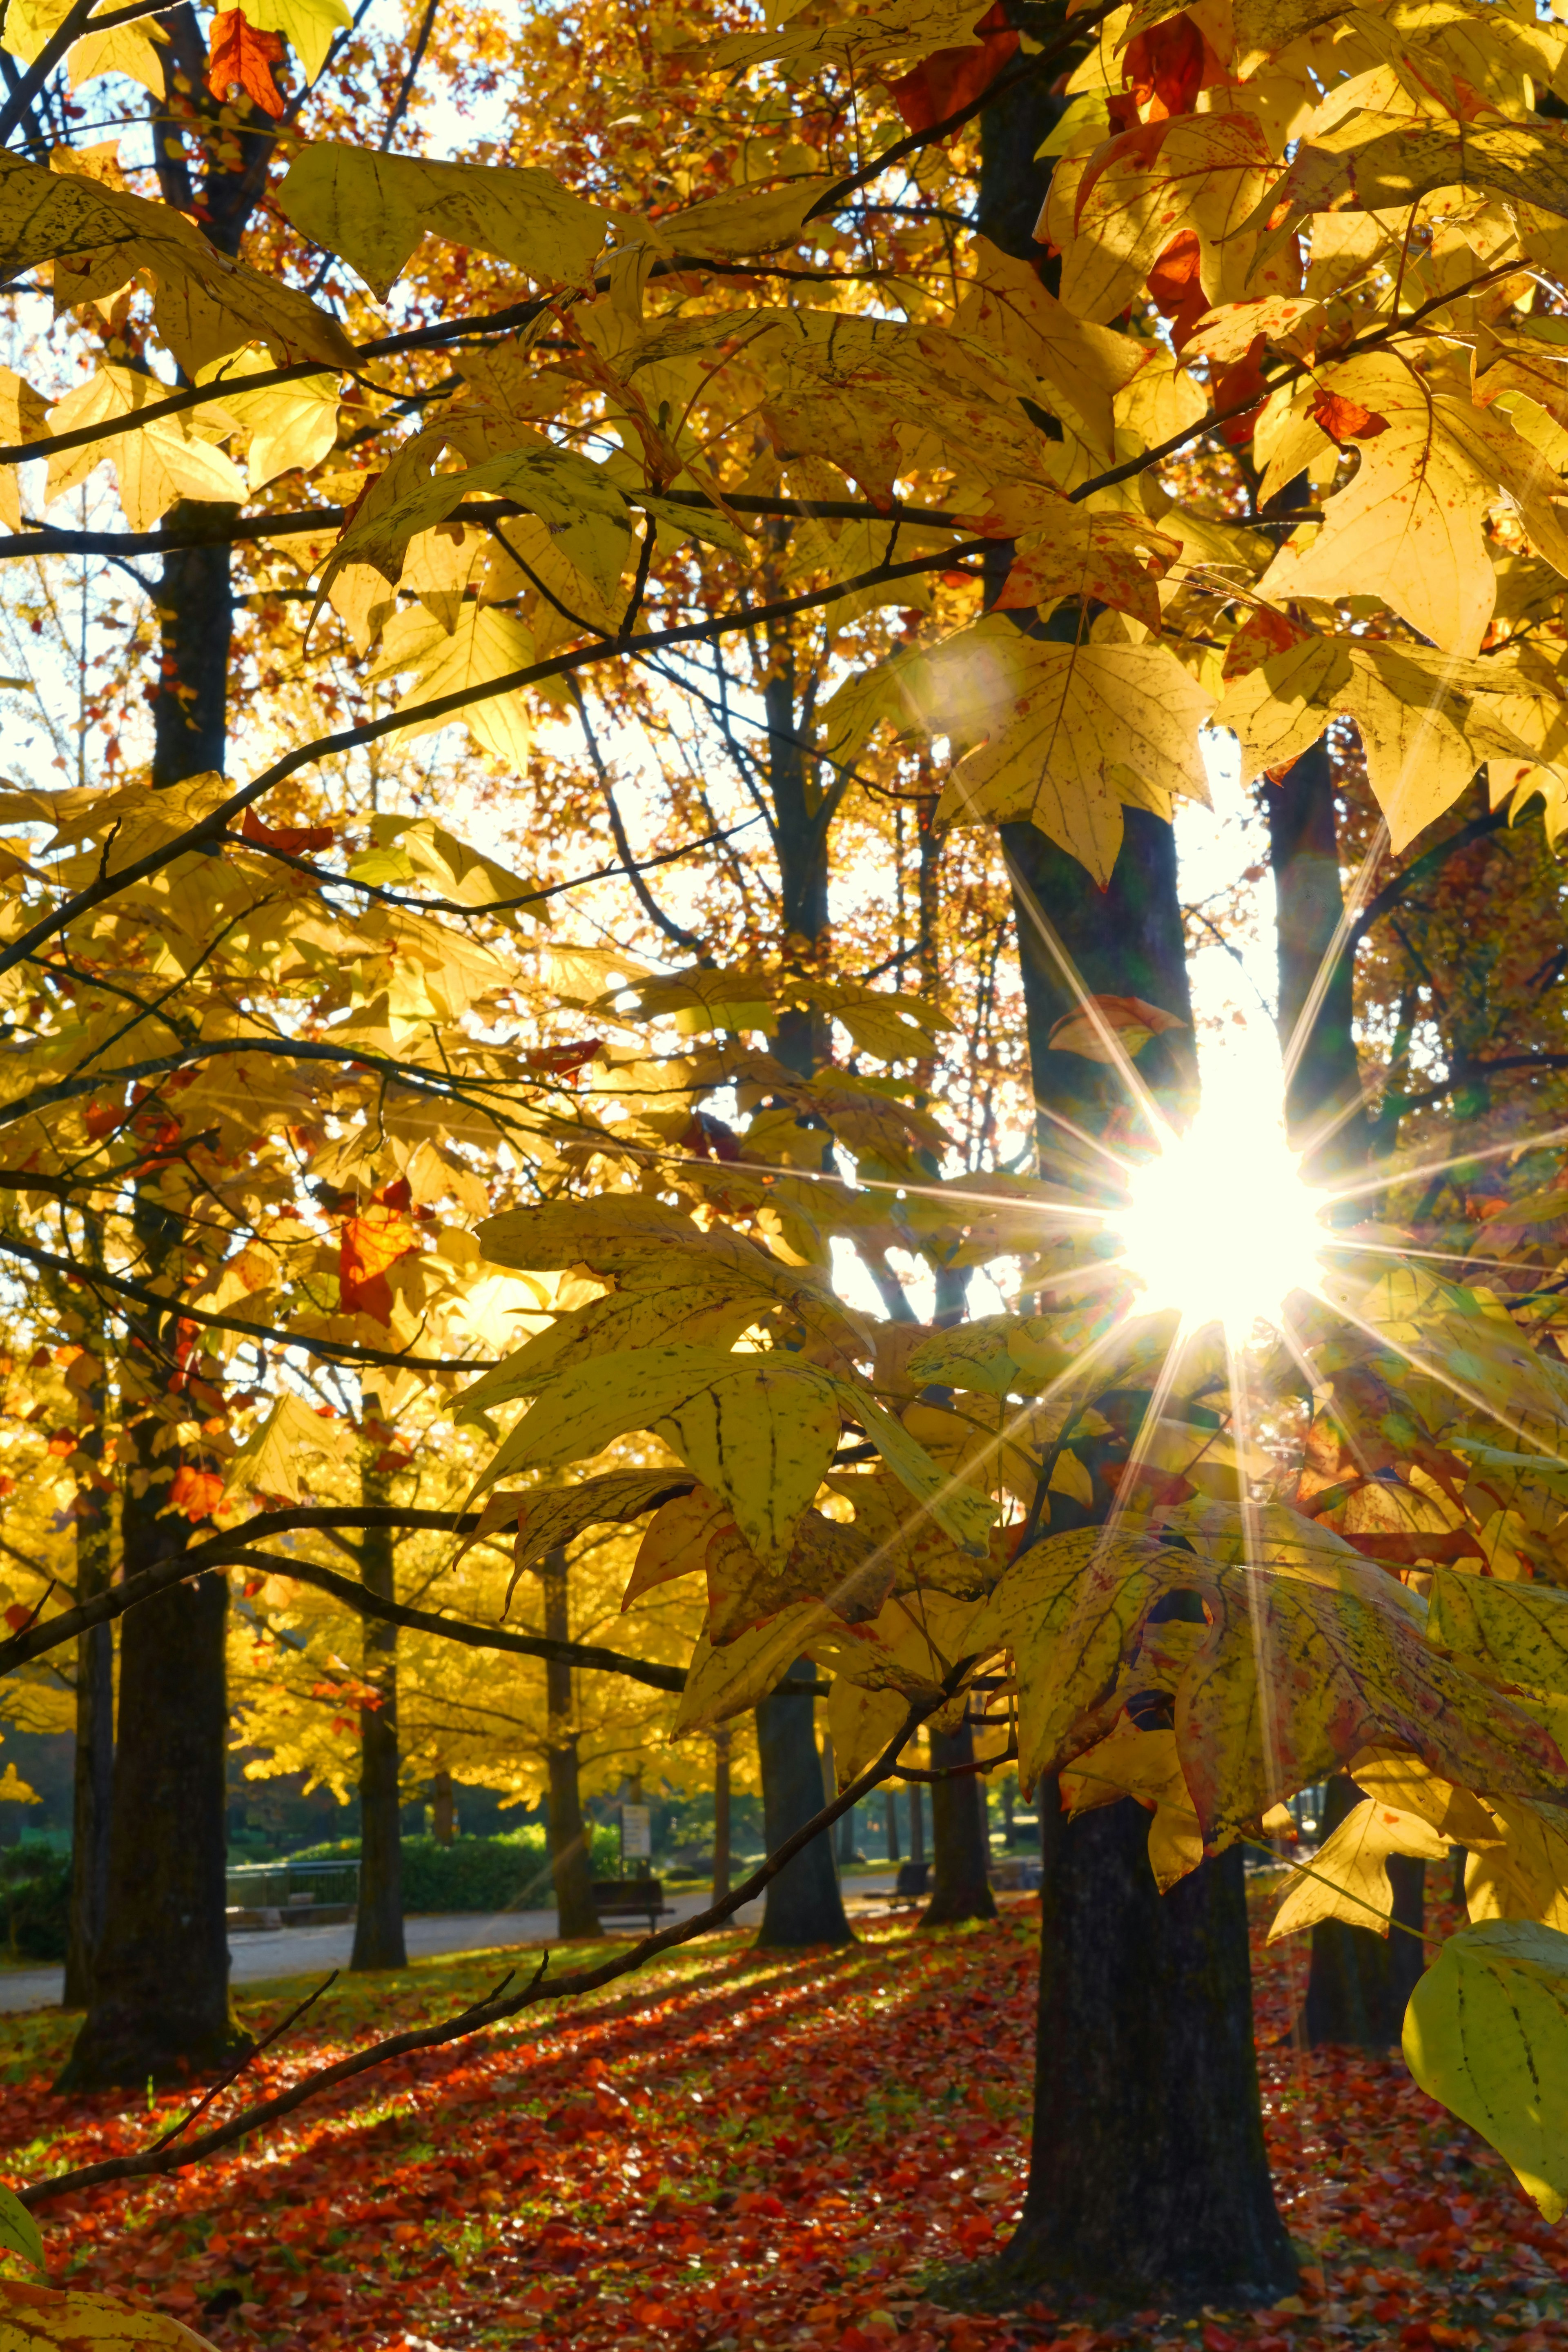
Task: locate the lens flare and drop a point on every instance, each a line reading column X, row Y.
column 1220, row 1226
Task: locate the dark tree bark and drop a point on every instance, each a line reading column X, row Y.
column 891, row 1809
column 1359, row 1981
column 570, row 1864
column 917, row 1823
column 1148, row 2176
column 443, row 1810
column 1303, row 846
column 160, row 2002
column 378, row 1924
column 721, row 1813
column 94, row 1691
column 960, row 1882
column 1148, row 2180
column 803, row 1905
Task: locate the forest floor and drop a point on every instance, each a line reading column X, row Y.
column 738, row 2151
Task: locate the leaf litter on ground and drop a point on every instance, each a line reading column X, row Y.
column 741, row 2150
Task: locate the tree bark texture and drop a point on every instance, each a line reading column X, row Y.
column 1148, row 2176
column 804, row 1904
column 916, row 1822
column 1303, row 846
column 378, row 1923
column 94, row 1762
column 1358, row 1981
column 159, row 2003
column 443, row 1809
column 1148, row 2180
column 890, row 1811
column 721, row 1813
column 961, row 1848
column 570, row 1864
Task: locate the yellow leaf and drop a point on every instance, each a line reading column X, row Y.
column 730, row 1681
column 544, row 1519
column 702, row 1313
column 1204, row 172
column 742, row 222
column 374, row 209
column 1486, row 2033
column 486, row 644
column 1007, row 307
column 1524, row 162
column 675, row 1542
column 155, row 466
column 1349, row 1877
column 290, row 424
column 760, row 1432
column 1521, row 1871
column 1518, row 1631
column 55, row 2319
column 896, row 31
column 269, row 1461
column 1111, row 559
column 307, row 26
column 30, row 25
column 15, row 1791
column 133, row 50
column 23, row 416
column 1059, row 720
column 1411, row 1787
column 961, row 1512
column 1409, row 526
column 97, row 235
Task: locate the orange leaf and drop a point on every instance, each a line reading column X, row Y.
column 1129, row 1017
column 1243, row 379
column 1174, row 286
column 241, row 54
column 951, row 78
column 1165, row 65
column 195, row 1491
column 294, row 839
column 1261, row 635
column 369, row 1245
column 1346, row 420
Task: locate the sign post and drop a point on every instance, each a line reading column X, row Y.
column 637, row 1838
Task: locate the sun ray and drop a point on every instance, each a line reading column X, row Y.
column 1355, row 898
column 1516, row 1148
column 1116, row 1053
column 1436, row 1373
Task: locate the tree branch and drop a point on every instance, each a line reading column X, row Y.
column 498, row 2007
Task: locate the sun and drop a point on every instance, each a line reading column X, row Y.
column 1220, row 1224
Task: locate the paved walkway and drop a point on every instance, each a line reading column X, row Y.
column 311, row 1951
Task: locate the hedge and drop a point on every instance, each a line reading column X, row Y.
column 479, row 1874
column 35, row 1889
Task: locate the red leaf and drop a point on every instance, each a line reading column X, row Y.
column 1261, row 635
column 951, row 78
column 369, row 1244
column 1165, row 65
column 241, row 54
column 195, row 1491
column 1174, row 286
column 1346, row 420
column 294, row 839
column 560, row 1061
column 1243, row 379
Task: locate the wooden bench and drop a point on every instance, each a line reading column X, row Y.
column 630, row 1898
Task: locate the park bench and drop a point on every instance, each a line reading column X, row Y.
column 630, row 1898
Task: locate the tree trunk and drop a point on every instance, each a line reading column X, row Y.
column 1124, row 940
column 159, row 2003
column 1148, row 2180
column 94, row 1692
column 1148, row 2176
column 443, row 1810
column 721, row 1813
column 1359, row 1981
column 804, row 1904
column 378, row 1924
column 960, row 1883
column 917, row 1823
column 570, row 1864
column 1303, row 844
column 890, row 1811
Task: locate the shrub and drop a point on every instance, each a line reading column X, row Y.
column 498, row 1874
column 34, row 1888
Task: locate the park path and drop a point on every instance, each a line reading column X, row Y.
column 265, row 1953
